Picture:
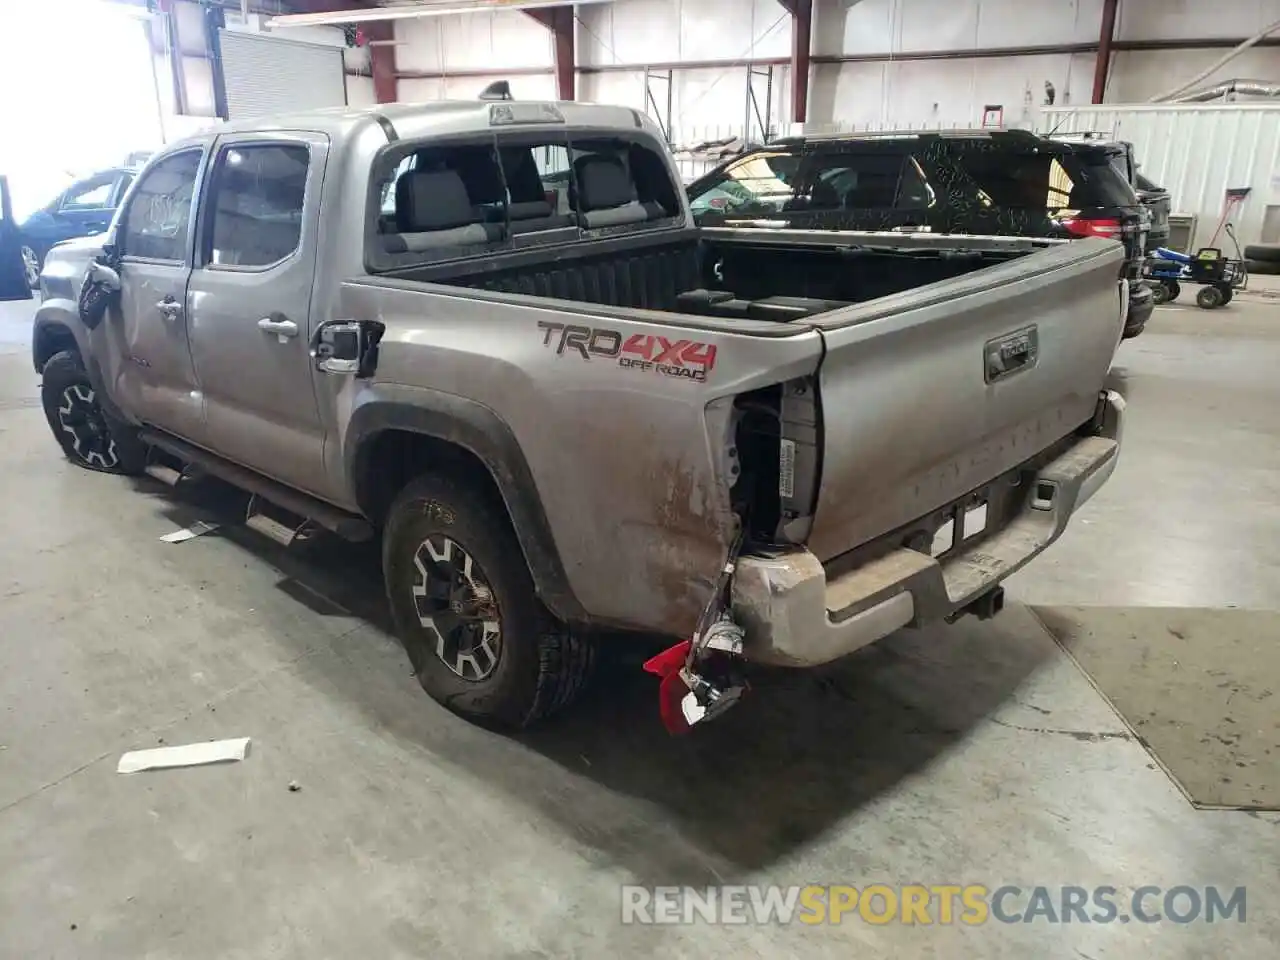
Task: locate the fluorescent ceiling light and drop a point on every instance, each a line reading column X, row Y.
column 405, row 11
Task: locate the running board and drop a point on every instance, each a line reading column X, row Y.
column 273, row 529
column 349, row 526
column 166, row 475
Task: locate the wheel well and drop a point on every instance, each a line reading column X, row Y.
column 394, row 457
column 52, row 339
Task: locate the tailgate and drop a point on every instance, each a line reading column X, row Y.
column 929, row 394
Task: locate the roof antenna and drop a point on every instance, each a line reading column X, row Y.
column 498, row 90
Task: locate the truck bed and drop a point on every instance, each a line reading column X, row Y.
column 772, row 275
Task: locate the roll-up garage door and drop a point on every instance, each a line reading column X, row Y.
column 265, row 75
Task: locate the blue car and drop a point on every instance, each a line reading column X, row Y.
column 82, row 210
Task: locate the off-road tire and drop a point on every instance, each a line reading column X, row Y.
column 542, row 666
column 64, row 372
column 1266, row 252
column 1263, row 267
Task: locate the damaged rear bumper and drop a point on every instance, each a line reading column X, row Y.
column 794, row 616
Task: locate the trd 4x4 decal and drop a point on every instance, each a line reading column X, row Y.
column 683, row 359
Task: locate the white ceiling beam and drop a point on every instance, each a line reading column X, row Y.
column 406, row 11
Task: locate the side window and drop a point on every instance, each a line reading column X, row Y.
column 256, row 204
column 759, row 184
column 155, row 225
column 852, row 181
column 915, row 193
column 94, row 195
column 1017, row 179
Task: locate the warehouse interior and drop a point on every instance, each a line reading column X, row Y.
column 1093, row 772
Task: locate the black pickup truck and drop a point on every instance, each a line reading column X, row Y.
column 998, row 182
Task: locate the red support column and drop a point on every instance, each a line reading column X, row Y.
column 559, row 20
column 801, row 41
column 1105, row 39
column 382, row 60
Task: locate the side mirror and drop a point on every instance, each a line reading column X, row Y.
column 102, row 274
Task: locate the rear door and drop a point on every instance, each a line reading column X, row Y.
column 914, row 415
column 13, row 283
column 251, row 304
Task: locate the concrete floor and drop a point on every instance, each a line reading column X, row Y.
column 971, row 754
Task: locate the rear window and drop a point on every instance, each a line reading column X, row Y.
column 1049, row 180
column 438, row 202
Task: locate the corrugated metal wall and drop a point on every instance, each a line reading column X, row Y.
column 1197, row 152
column 255, row 66
column 893, row 76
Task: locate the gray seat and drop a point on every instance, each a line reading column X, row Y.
column 531, row 216
column 433, row 210
column 607, row 197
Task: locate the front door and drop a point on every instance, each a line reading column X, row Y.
column 152, row 373
column 250, row 301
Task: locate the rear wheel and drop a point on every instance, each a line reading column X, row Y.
column 1210, row 298
column 1227, row 293
column 464, row 604
column 87, row 434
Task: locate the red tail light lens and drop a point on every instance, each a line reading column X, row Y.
column 1081, row 227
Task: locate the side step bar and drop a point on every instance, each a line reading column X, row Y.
column 349, row 526
column 271, row 528
column 166, row 475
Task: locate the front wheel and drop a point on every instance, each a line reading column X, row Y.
column 1227, row 293
column 31, row 268
column 88, row 436
column 1210, row 298
column 464, row 605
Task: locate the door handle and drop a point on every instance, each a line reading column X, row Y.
column 169, row 308
column 284, row 329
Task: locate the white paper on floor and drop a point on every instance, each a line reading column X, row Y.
column 190, row 755
column 190, row 533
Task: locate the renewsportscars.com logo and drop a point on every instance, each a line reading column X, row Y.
column 944, row 904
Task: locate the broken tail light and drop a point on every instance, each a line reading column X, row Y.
column 1107, row 228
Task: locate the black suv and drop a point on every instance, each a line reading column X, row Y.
column 1004, row 182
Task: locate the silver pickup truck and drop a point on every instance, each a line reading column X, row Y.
column 490, row 334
